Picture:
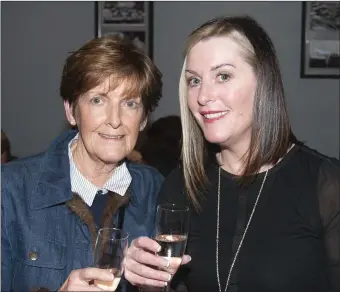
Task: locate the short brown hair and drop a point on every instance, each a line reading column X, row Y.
column 110, row 56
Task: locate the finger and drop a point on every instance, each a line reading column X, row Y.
column 141, row 281
column 63, row 287
column 186, row 259
column 173, row 265
column 148, row 272
column 131, row 250
column 89, row 274
column 147, row 258
column 147, row 244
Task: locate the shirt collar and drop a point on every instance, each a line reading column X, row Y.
column 119, row 182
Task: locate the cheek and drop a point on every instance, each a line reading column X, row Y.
column 132, row 137
column 133, row 124
column 89, row 119
column 192, row 100
column 243, row 100
column 194, row 109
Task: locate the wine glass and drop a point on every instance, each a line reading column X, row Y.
column 171, row 232
column 109, row 254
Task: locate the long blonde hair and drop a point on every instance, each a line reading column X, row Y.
column 270, row 111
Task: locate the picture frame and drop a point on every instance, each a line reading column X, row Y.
column 320, row 44
column 127, row 19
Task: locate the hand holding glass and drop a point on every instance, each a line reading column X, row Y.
column 172, row 225
column 109, row 254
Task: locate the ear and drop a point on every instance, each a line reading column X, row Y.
column 143, row 124
column 69, row 113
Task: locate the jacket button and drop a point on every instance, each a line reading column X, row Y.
column 33, row 255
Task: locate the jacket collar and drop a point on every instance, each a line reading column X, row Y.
column 54, row 185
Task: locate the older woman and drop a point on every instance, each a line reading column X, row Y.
column 53, row 203
column 265, row 210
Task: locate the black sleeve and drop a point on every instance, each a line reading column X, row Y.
column 329, row 203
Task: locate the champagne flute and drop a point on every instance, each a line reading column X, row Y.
column 109, row 254
column 171, row 232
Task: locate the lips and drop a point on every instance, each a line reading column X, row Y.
column 211, row 116
column 111, row 137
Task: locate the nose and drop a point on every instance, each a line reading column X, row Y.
column 206, row 94
column 114, row 116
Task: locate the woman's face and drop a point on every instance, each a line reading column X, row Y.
column 108, row 121
column 221, row 90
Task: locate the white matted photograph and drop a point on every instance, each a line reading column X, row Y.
column 123, row 11
column 128, row 19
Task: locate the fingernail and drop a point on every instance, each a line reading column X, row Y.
column 189, row 258
column 165, row 284
column 167, row 277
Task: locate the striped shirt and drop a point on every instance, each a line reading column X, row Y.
column 118, row 182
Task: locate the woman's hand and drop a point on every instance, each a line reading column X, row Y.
column 141, row 255
column 79, row 280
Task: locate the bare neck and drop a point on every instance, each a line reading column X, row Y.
column 233, row 161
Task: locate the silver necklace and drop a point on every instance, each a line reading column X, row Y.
column 243, row 236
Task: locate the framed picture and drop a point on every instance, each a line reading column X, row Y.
column 127, row 19
column 320, row 50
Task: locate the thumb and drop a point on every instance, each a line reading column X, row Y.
column 186, row 259
column 63, row 287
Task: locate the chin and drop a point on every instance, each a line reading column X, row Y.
column 216, row 139
column 111, row 159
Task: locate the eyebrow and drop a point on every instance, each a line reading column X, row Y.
column 94, row 92
column 213, row 68
column 105, row 94
column 220, row 66
column 136, row 98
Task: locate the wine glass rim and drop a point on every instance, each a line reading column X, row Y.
column 124, row 234
column 173, row 207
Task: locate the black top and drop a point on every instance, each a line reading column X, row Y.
column 97, row 208
column 293, row 242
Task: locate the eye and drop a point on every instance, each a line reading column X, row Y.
column 223, row 77
column 132, row 104
column 193, row 81
column 96, row 100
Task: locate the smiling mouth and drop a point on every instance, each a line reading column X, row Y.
column 113, row 137
column 215, row 115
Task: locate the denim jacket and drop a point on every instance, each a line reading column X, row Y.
column 41, row 240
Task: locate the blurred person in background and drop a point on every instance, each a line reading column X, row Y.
column 6, row 154
column 162, row 148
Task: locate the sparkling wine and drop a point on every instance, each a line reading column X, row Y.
column 110, row 285
column 172, row 245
